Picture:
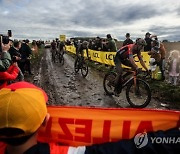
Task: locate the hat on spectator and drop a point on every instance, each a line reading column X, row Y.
column 127, row 35
column 108, row 36
column 22, row 106
column 148, row 33
column 26, row 41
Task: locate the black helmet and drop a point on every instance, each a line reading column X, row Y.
column 127, row 34
column 85, row 43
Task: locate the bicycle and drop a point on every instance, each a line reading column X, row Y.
column 54, row 55
column 81, row 64
column 138, row 93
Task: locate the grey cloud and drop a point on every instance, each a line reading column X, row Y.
column 107, row 14
column 171, row 33
column 51, row 18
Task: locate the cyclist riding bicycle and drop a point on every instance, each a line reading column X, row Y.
column 125, row 56
column 81, row 47
column 61, row 47
column 53, row 47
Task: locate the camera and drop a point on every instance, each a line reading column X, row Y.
column 5, row 39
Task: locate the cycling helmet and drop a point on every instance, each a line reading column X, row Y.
column 85, row 43
column 140, row 41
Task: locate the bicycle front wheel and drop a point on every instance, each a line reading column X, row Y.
column 61, row 59
column 76, row 65
column 84, row 69
column 138, row 95
column 53, row 57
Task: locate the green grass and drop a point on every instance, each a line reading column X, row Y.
column 165, row 91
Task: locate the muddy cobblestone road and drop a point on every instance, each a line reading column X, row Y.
column 64, row 87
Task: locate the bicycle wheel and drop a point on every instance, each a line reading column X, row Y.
column 84, row 69
column 108, row 83
column 76, row 65
column 53, row 57
column 138, row 95
column 61, row 59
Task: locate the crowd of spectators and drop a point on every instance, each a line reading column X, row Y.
column 154, row 48
column 15, row 59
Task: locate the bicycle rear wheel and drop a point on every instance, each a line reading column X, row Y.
column 61, row 59
column 53, row 57
column 138, row 95
column 84, row 69
column 108, row 83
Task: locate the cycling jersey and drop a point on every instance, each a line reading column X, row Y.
column 53, row 45
column 81, row 50
column 126, row 51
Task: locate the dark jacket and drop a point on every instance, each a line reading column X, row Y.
column 148, row 42
column 127, row 41
column 25, row 51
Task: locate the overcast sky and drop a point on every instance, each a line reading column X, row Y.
column 47, row 19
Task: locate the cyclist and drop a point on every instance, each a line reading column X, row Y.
column 81, row 47
column 125, row 56
column 61, row 47
column 80, row 50
column 53, row 48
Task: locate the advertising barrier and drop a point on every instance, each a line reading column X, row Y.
column 107, row 57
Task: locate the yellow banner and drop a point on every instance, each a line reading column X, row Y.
column 77, row 126
column 107, row 57
column 62, row 37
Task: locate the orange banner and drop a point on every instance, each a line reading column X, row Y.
column 77, row 126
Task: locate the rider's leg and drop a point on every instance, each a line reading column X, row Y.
column 118, row 79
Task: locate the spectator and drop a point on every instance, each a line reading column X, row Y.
column 16, row 56
column 5, row 57
column 23, row 111
column 158, row 52
column 148, row 42
column 34, row 48
column 163, row 52
column 154, row 52
column 174, row 66
column 111, row 44
column 98, row 44
column 90, row 44
column 104, row 45
column 8, row 72
column 128, row 40
column 26, row 53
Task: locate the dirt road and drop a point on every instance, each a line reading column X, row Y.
column 64, row 87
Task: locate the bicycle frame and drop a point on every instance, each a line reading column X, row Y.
column 125, row 84
column 134, row 77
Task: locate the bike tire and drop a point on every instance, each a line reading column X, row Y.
column 108, row 83
column 140, row 97
column 53, row 58
column 61, row 59
column 84, row 69
column 76, row 65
